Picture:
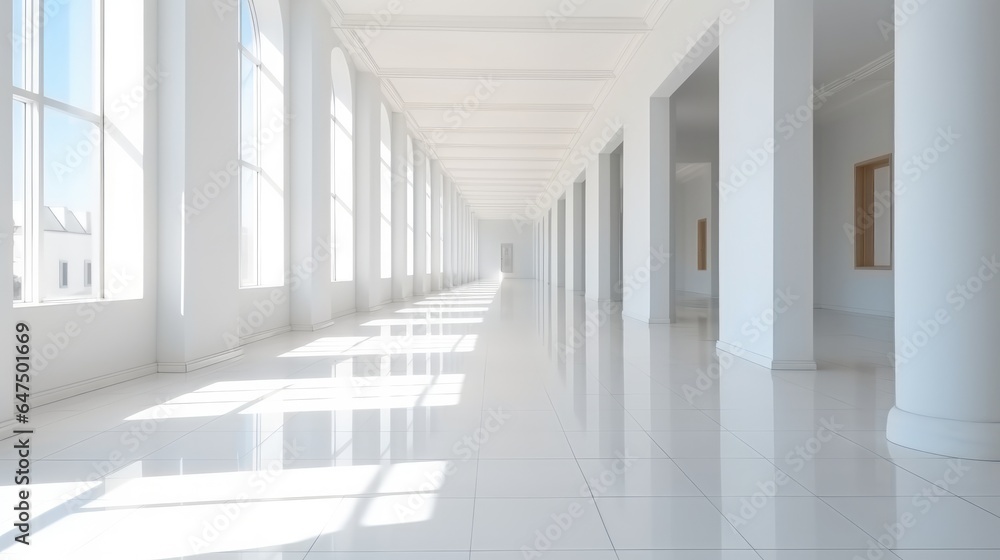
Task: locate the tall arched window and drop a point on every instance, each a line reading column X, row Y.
column 409, row 205
column 342, row 174
column 385, row 197
column 249, row 153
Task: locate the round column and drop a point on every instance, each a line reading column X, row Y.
column 947, row 229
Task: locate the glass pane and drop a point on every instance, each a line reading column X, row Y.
column 248, row 110
column 71, row 198
column 409, row 220
column 427, row 220
column 343, row 209
column 249, row 228
column 18, row 40
column 72, row 54
column 386, row 208
column 248, row 28
column 20, row 165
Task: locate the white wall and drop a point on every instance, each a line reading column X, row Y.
column 494, row 232
column 694, row 203
column 848, row 134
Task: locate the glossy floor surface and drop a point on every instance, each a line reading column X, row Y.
column 502, row 422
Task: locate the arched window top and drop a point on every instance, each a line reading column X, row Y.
column 249, row 36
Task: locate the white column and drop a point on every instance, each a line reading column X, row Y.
column 435, row 178
column 448, row 231
column 420, row 225
column 399, row 221
column 367, row 163
column 598, row 234
column 311, row 304
column 947, row 236
column 658, row 245
column 460, row 240
column 196, row 308
column 766, row 195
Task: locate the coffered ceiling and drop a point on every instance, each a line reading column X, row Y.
column 497, row 89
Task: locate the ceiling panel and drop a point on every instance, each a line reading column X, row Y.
column 461, row 137
column 471, row 92
column 459, row 165
column 486, row 173
column 497, row 51
column 446, row 118
column 503, row 8
column 446, row 152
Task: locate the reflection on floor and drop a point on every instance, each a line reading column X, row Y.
column 503, row 422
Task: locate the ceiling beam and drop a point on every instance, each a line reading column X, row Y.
column 498, row 24
column 516, row 107
column 497, row 73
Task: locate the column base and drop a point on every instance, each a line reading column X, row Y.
column 765, row 361
column 979, row 441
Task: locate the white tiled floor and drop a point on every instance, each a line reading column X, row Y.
column 540, row 428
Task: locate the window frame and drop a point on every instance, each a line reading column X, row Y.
column 244, row 165
column 33, row 96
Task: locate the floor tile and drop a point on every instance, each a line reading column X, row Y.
column 668, row 523
column 538, row 525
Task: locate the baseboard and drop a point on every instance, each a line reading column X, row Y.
column 80, row 387
column 64, row 392
column 312, row 328
column 263, row 334
column 200, row 363
column 856, row 311
column 344, row 313
column 764, row 361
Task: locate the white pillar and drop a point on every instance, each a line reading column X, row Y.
column 196, row 310
column 462, row 225
column 448, row 231
column 399, row 221
column 311, row 304
column 766, row 195
column 368, row 166
column 435, row 178
column 598, row 234
column 420, row 225
column 947, row 236
column 658, row 246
